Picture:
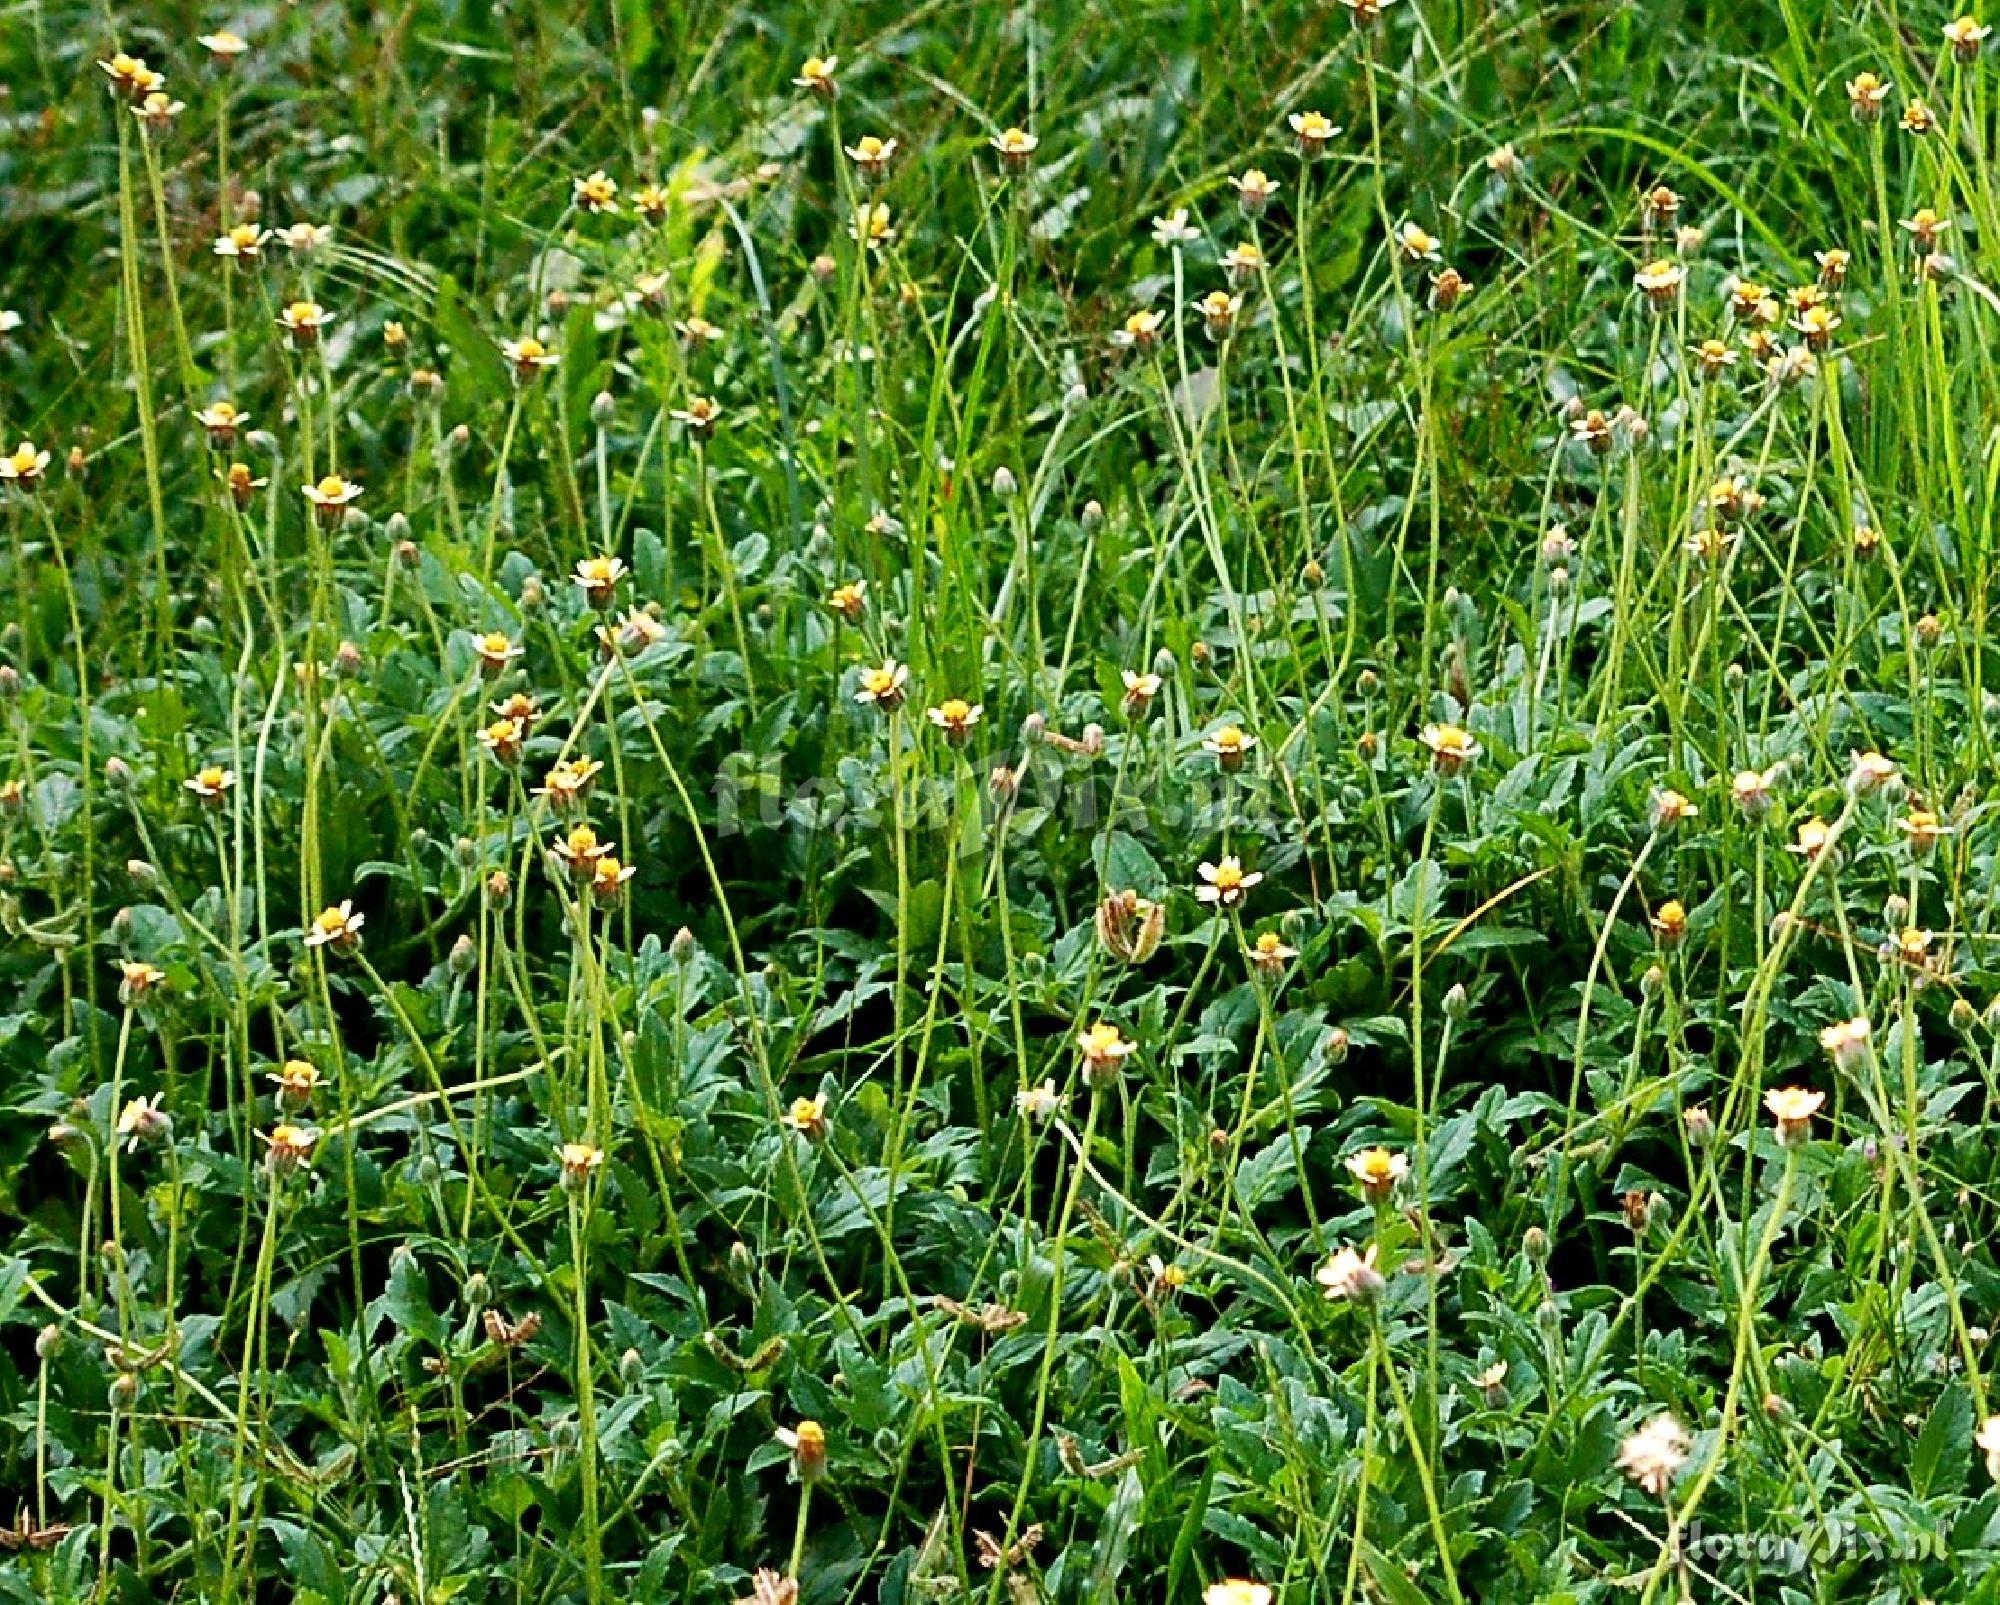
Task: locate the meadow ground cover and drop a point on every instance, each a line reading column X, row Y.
column 998, row 801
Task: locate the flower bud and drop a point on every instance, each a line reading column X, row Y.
column 464, row 955
column 603, row 409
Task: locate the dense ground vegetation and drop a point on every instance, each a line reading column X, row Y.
column 998, row 801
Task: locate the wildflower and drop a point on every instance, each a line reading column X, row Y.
column 581, row 850
column 130, row 77
column 142, row 1121
column 1658, row 207
column 243, row 243
column 1140, row 332
column 221, row 420
column 1505, row 164
column 1129, row 927
column 1351, row 1276
column 1918, row 118
column 138, row 980
column 596, row 193
column 330, row 499
column 883, row 523
column 337, row 927
column 1792, row 1109
column 636, row 631
column 568, row 783
column 1313, row 131
column 1924, row 226
column 1218, row 311
column 1379, row 1170
column 816, row 76
column 1417, row 244
column 1269, row 955
column 1654, row 1455
column 1670, row 808
column 1750, row 302
column 1492, row 1385
column 1865, row 94
column 1236, row 1591
column 304, row 321
column 768, row 1587
column 304, row 239
column 1593, row 431
column 223, row 47
column 1448, row 288
column 885, row 687
column 1867, row 541
column 1015, row 146
column 872, row 155
column 1229, row 746
column 1816, row 324
column 296, row 1080
column 156, row 113
column 955, row 717
column 1833, row 266
column 1038, row 1103
column 597, row 578
column 579, row 1160
column 807, row 1116
column 503, row 739
column 1965, row 35
column 871, row 227
column 1451, row 747
column 608, row 879
column 1140, row 689
column 1921, row 828
column 697, row 332
column 1811, row 840
column 650, row 202
column 528, row 356
column 1104, row 1050
column 212, row 783
column 1364, row 13
column 1711, row 544
column 1660, row 282
column 495, row 651
column 807, row 1442
column 850, row 601
column 1244, row 262
column 25, row 466
column 1174, row 229
column 1254, row 190
column 1669, row 922
column 1870, row 772
column 242, row 483
column 1225, row 884
column 286, row 1147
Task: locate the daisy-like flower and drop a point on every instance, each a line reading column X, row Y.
column 1218, row 311
column 1791, row 1110
column 955, row 717
column 884, row 687
column 211, row 784
column 1912, row 945
column 1129, row 927
column 1594, row 432
column 1237, row 1591
column 222, row 421
column 1254, row 190
column 850, row 601
column 1988, row 1440
column 1174, row 229
column 1105, row 1050
column 1924, row 225
column 130, row 77
column 304, row 321
column 871, row 227
column 1653, row 1456
column 699, row 417
column 650, row 202
column 1415, row 243
column 872, row 155
column 1714, row 358
column 528, row 357
column 1038, row 1103
column 156, row 113
column 807, row 1442
column 1379, row 1170
column 1313, row 131
column 1451, row 747
column 1833, row 266
column 631, row 635
column 1229, row 746
column 330, row 499
column 296, row 1080
column 1811, row 839
column 495, row 651
column 1244, row 262
column 597, row 578
column 580, row 850
column 518, row 705
column 223, row 47
column 1162, row 1280
column 1965, row 35
column 807, row 1117
column 307, row 239
column 24, row 466
column 1225, row 884
column 1448, row 288
column 1669, row 922
column 697, row 332
column 1140, row 332
column 286, row 1147
column 1660, row 282
column 1870, row 772
column 1269, row 954
column 1712, row 544
column 1816, row 325
column 1492, row 1385
column 1351, row 1277
column 1365, row 13
column 1670, row 808
column 1865, row 95
column 244, row 242
column 138, row 980
column 1922, row 829
column 337, row 927
column 596, row 192
column 1015, row 147
column 579, row 1161
column 1140, row 690
column 608, row 879
column 1867, row 541
column 503, row 739
column 1659, row 206
column 567, row 784
column 142, row 1121
column 1918, row 118
column 817, row 76
column 242, row 483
